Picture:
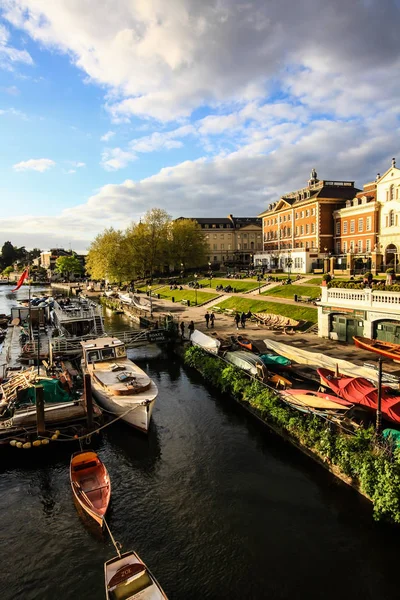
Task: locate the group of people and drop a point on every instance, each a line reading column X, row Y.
column 210, row 318
column 190, row 329
column 241, row 318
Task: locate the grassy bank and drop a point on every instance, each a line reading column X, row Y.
column 355, row 458
column 240, row 285
column 288, row 291
column 300, row 313
column 186, row 294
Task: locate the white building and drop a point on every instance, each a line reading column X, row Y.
column 388, row 197
column 344, row 313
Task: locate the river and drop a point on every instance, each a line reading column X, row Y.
column 216, row 505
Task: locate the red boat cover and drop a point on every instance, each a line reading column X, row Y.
column 361, row 391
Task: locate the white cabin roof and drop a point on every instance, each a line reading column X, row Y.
column 103, row 342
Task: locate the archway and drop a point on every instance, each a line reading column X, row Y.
column 391, row 256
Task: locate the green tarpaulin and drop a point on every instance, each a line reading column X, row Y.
column 53, row 392
column 392, row 435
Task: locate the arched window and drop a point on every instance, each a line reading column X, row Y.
column 391, row 218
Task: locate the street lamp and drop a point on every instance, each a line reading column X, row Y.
column 195, row 287
column 259, row 277
column 151, row 301
column 289, row 264
column 210, row 272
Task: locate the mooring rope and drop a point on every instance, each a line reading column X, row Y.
column 117, row 545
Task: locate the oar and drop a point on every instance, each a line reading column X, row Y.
column 83, row 494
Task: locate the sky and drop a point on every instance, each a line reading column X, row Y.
column 111, row 108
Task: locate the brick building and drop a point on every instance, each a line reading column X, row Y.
column 356, row 227
column 298, row 229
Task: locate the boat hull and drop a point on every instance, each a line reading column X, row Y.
column 140, row 414
column 90, row 484
column 385, row 349
column 128, row 570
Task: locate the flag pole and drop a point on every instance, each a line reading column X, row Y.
column 30, row 309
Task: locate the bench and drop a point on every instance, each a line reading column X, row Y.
column 217, row 309
column 184, row 302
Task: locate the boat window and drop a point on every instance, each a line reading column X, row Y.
column 107, row 353
column 127, row 590
column 120, row 351
column 93, row 356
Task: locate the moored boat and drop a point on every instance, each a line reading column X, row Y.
column 127, row 578
column 358, row 390
column 119, row 385
column 205, row 342
column 244, row 343
column 90, row 484
column 318, row 402
column 247, row 361
column 386, row 349
column 276, row 361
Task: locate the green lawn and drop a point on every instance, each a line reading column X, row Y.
column 240, row 285
column 300, row 313
column 190, row 294
column 288, row 291
column 314, row 281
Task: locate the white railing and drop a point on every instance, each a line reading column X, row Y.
column 362, row 298
column 74, row 312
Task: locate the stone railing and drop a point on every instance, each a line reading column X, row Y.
column 360, row 298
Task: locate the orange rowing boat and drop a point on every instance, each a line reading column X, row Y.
column 90, row 484
column 386, row 349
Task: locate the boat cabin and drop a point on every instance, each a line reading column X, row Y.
column 103, row 349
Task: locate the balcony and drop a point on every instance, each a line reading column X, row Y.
column 367, row 298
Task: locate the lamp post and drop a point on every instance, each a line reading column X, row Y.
column 151, row 301
column 259, row 277
column 195, row 288
column 210, row 272
column 289, row 263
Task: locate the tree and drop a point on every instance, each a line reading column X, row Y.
column 147, row 242
column 8, row 254
column 68, row 265
column 108, row 257
column 7, row 272
column 188, row 245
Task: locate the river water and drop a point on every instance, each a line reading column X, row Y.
column 216, row 505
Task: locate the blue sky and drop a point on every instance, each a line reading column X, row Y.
column 109, row 109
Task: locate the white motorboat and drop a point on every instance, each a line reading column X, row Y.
column 205, row 342
column 126, row 298
column 127, row 578
column 119, row 385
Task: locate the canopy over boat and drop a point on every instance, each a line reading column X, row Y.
column 275, row 360
column 205, row 342
column 383, row 348
column 361, row 391
column 317, row 359
column 246, row 360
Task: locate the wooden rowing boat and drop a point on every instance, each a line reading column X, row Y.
column 90, row 484
column 386, row 349
column 127, row 578
column 244, row 343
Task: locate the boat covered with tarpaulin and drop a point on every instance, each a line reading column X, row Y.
column 359, row 390
column 275, row 360
column 206, row 342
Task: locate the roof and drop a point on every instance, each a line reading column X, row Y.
column 101, row 342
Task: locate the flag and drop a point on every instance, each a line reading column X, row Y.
column 21, row 280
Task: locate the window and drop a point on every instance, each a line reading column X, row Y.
column 214, row 246
column 284, row 217
column 351, row 246
column 244, row 246
column 215, row 236
column 222, row 247
column 307, row 245
column 297, row 230
column 344, row 247
column 360, row 246
column 297, row 215
column 368, row 223
column 307, row 228
column 301, row 245
column 313, row 212
column 302, row 214
column 221, row 235
column 307, row 213
column 352, row 226
column 301, row 229
column 338, row 227
column 345, row 227
column 391, row 192
column 229, row 247
column 337, row 247
column 214, row 225
column 312, row 244
column 312, row 227
column 368, row 245
column 288, row 217
column 360, row 225
column 276, row 221
column 391, row 218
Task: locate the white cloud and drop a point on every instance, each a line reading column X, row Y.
column 113, row 159
column 70, row 171
column 14, row 113
column 12, row 90
column 107, row 136
column 9, row 56
column 34, row 164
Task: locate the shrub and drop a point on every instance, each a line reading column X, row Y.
column 327, row 277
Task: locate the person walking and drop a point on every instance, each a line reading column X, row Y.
column 191, row 329
column 243, row 320
column 207, row 318
column 182, row 326
column 212, row 319
column 237, row 320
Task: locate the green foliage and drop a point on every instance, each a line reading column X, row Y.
column 373, row 467
column 390, row 271
column 327, row 277
column 68, row 265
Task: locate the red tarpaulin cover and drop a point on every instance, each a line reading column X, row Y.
column 361, row 391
